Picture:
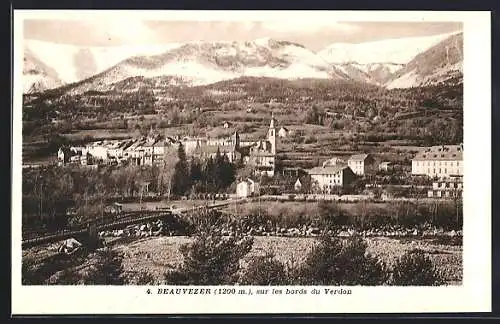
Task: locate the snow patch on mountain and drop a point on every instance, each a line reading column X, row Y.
column 70, row 61
column 397, row 50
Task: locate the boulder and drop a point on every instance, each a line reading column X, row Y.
column 314, row 230
column 70, row 246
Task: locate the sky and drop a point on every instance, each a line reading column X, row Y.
column 313, row 35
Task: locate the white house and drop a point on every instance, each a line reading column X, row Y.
column 439, row 161
column 247, row 188
column 283, row 132
column 329, row 177
column 361, row 164
column 298, row 185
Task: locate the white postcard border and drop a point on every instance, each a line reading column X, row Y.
column 473, row 295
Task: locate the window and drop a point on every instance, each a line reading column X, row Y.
column 434, row 170
column 434, row 163
column 445, row 170
column 439, row 170
column 445, row 163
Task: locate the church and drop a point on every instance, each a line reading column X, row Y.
column 260, row 154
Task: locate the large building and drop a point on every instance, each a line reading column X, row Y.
column 260, row 154
column 209, row 148
column 439, row 161
column 327, row 178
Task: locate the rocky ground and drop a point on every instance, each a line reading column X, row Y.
column 158, row 228
column 148, row 252
column 152, row 257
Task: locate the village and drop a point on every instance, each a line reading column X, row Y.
column 436, row 171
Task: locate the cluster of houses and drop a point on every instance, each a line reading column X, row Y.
column 154, row 148
column 444, row 164
column 150, row 150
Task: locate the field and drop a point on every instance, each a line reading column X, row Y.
column 275, row 208
column 155, row 256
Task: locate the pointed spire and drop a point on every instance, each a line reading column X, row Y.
column 272, row 125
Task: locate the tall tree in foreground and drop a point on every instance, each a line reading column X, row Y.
column 211, row 258
column 181, row 181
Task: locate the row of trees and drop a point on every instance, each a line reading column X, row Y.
column 211, row 175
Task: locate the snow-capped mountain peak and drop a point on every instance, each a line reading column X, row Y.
column 395, row 50
column 201, row 62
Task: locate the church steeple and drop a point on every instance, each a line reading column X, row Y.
column 273, row 121
column 271, row 134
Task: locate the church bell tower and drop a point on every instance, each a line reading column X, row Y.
column 271, row 134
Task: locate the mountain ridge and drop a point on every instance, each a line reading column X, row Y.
column 198, row 63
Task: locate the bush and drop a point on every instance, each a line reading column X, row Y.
column 342, row 262
column 108, row 270
column 264, row 270
column 211, row 259
column 414, row 268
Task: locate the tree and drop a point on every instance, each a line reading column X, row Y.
column 313, row 116
column 414, row 268
column 227, row 172
column 195, row 170
column 264, row 270
column 181, row 181
column 342, row 262
column 211, row 259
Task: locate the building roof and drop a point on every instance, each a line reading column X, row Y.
column 209, row 149
column 440, row 153
column 385, row 163
column 334, row 161
column 358, row 157
column 331, row 169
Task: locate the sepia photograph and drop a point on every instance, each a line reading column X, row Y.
column 165, row 153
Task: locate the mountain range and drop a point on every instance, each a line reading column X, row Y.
column 392, row 63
